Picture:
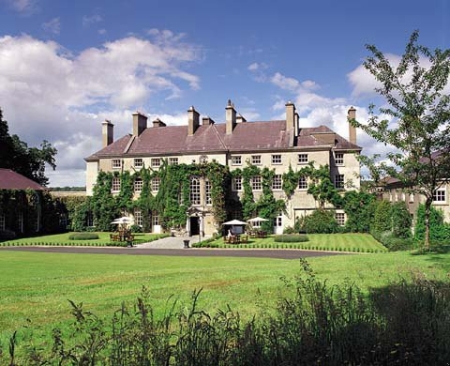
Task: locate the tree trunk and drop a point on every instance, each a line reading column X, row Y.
column 427, row 223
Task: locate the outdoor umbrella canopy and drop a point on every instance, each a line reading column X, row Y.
column 257, row 219
column 122, row 220
column 235, row 222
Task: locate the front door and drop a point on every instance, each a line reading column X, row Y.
column 195, row 226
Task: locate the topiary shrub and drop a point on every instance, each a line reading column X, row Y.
column 290, row 238
column 83, row 236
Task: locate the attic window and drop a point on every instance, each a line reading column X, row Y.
column 116, row 163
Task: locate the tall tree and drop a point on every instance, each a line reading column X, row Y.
column 28, row 161
column 419, row 111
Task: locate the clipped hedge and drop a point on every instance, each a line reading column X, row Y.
column 291, row 238
column 83, row 236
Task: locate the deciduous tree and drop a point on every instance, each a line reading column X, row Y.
column 418, row 117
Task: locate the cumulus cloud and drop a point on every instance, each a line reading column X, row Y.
column 24, row 7
column 52, row 26
column 43, row 87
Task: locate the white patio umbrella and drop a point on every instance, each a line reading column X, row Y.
column 125, row 220
column 257, row 219
column 235, row 222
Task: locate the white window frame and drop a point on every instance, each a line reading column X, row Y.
column 340, row 218
column 277, row 159
column 115, row 184
column 137, row 184
column 208, row 195
column 257, row 183
column 236, row 160
column 138, row 219
column 195, row 191
column 339, row 158
column 138, row 163
column 302, row 183
column 256, row 159
column 302, row 158
column 156, row 183
column 237, row 184
column 116, row 163
column 156, row 162
column 277, row 183
column 440, row 196
column 339, row 181
column 173, row 161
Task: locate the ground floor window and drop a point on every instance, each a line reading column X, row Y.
column 340, row 218
column 138, row 220
column 155, row 219
column 278, row 222
column 2, row 222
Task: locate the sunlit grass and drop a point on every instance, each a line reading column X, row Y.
column 37, row 286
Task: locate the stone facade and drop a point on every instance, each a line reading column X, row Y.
column 277, row 145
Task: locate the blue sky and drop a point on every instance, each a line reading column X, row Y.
column 65, row 66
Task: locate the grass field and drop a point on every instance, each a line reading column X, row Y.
column 363, row 243
column 63, row 239
column 37, row 286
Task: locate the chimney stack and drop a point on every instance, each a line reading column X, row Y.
column 158, row 123
column 139, row 123
column 240, row 119
column 206, row 121
column 351, row 129
column 193, row 120
column 290, row 117
column 230, row 117
column 107, row 132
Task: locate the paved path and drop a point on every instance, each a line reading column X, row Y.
column 174, row 246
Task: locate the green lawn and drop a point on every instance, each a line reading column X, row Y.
column 37, row 286
column 363, row 243
column 63, row 239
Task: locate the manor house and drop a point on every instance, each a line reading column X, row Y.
column 277, row 145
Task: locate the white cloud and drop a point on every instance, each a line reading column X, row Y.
column 52, row 26
column 89, row 20
column 45, row 91
column 24, row 7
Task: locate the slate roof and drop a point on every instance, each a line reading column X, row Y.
column 246, row 136
column 12, row 180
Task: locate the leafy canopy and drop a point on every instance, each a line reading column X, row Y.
column 417, row 111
